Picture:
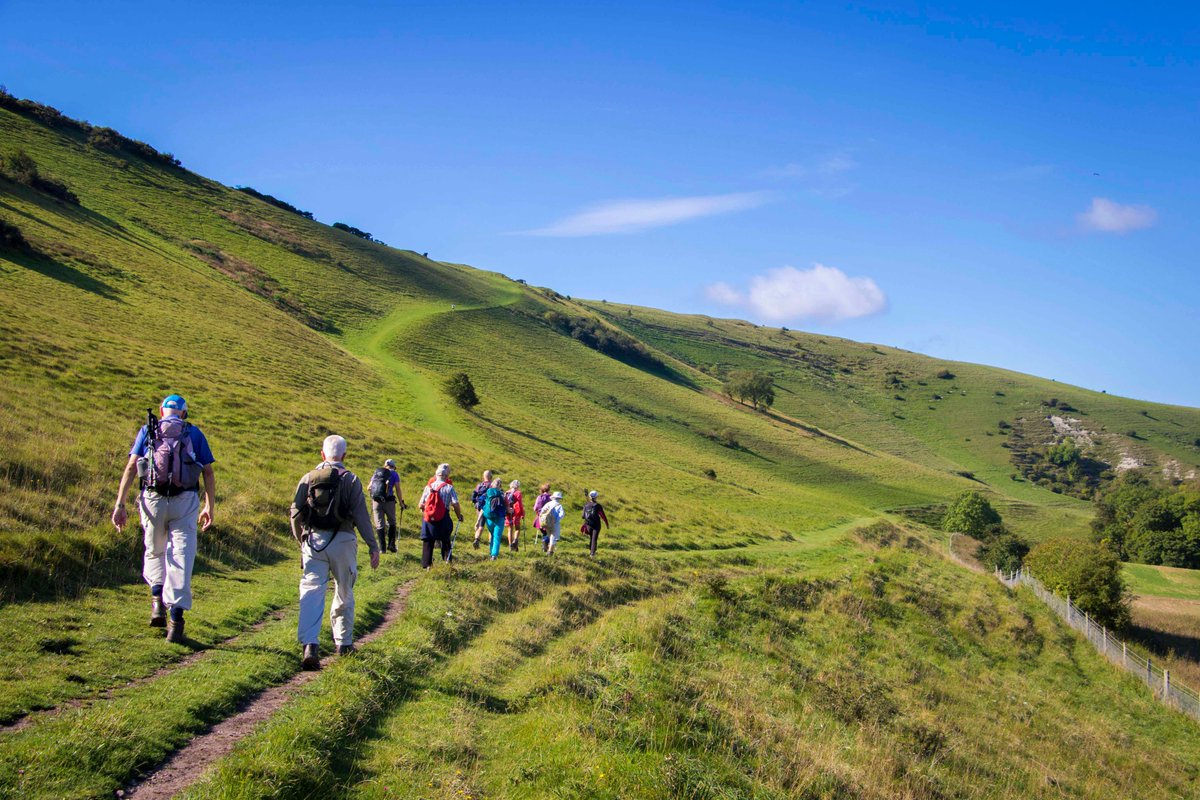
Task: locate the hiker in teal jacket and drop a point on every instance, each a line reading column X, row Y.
column 495, row 511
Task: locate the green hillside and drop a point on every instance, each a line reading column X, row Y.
column 752, row 628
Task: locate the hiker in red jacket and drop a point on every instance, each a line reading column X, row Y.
column 516, row 515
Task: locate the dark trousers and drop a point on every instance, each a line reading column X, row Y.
column 594, row 538
column 435, row 534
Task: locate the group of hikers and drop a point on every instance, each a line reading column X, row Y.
column 171, row 458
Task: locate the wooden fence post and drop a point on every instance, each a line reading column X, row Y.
column 1166, row 683
column 1124, row 655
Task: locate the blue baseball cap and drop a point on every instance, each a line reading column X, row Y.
column 174, row 401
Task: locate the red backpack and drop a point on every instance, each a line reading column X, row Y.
column 435, row 507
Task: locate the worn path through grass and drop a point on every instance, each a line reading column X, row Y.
column 424, row 401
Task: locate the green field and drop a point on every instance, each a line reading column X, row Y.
column 1145, row 579
column 761, row 621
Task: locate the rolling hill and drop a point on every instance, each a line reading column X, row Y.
column 762, row 621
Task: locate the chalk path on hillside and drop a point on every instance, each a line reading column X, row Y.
column 371, row 345
column 187, row 765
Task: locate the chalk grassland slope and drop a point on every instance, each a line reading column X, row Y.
column 942, row 414
column 728, row 609
column 279, row 330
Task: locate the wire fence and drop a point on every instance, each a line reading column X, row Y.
column 1118, row 652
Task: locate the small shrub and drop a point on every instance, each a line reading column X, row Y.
column 275, row 201
column 12, row 239
column 461, row 390
column 945, row 374
column 353, row 231
column 21, row 168
column 710, row 473
column 1003, row 550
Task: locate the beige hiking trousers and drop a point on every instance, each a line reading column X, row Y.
column 169, row 533
column 339, row 561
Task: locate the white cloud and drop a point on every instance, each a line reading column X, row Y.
column 788, row 293
column 1108, row 216
column 631, row 216
column 723, row 293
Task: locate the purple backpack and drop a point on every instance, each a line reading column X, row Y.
column 173, row 457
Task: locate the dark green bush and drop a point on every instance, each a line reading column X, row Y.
column 1089, row 573
column 275, row 201
column 12, row 239
column 21, row 168
column 461, row 390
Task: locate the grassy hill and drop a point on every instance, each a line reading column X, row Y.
column 753, row 627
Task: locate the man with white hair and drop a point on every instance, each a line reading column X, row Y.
column 169, row 455
column 436, row 501
column 329, row 504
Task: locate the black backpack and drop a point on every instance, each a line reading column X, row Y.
column 378, row 487
column 325, row 508
column 591, row 514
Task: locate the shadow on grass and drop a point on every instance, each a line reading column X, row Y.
column 521, row 433
column 1166, row 642
column 815, row 431
column 52, row 268
column 42, row 566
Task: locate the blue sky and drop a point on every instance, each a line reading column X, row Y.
column 1016, row 186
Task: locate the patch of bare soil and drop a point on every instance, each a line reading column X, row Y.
column 189, row 764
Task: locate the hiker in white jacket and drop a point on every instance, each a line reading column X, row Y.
column 551, row 517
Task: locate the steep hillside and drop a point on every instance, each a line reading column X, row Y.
column 759, row 622
column 964, row 419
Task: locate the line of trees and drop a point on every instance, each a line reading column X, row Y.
column 1152, row 523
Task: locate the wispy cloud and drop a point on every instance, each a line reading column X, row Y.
column 1108, row 216
column 825, row 175
column 788, row 293
column 631, row 216
column 825, row 166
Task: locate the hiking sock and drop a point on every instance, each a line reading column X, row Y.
column 176, row 613
column 156, row 590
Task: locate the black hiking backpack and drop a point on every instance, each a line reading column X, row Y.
column 378, row 487
column 325, row 508
column 591, row 514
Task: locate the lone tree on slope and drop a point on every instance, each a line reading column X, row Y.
column 461, row 390
column 755, row 387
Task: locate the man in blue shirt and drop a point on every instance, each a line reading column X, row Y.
column 169, row 456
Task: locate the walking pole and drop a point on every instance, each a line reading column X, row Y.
column 453, row 536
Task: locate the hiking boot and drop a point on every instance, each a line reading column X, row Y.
column 175, row 631
column 158, row 612
column 344, row 649
column 392, row 547
column 312, row 658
